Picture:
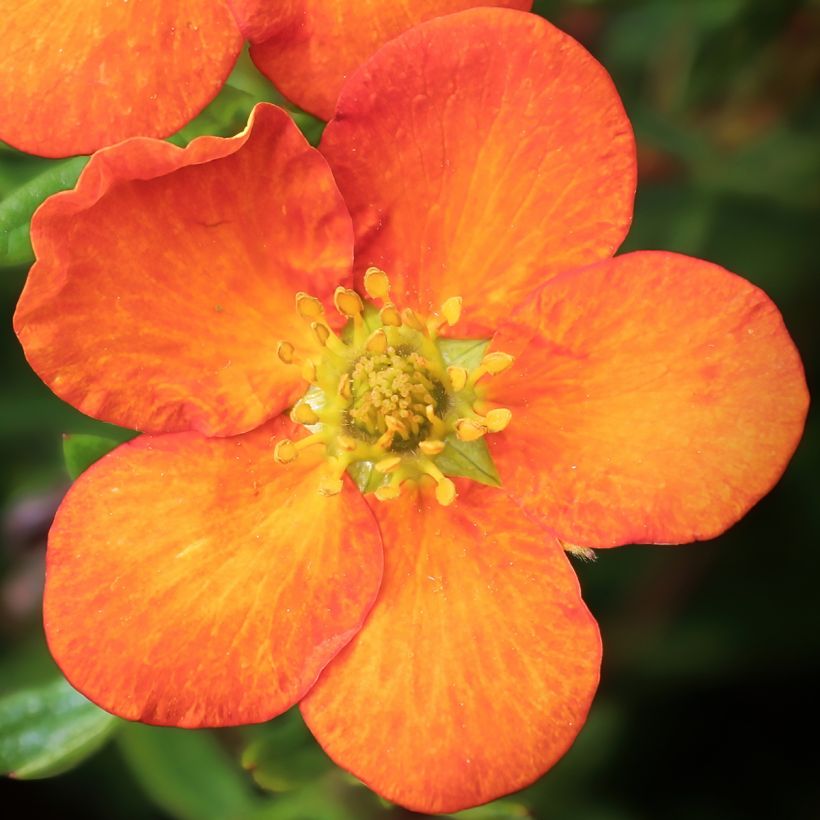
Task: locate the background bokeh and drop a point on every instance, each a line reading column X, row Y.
column 708, row 705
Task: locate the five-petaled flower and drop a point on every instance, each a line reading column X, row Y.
column 77, row 75
column 223, row 565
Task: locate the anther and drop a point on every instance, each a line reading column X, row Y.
column 285, row 451
column 309, row 371
column 451, row 310
column 498, row 419
column 347, row 442
column 497, row 362
column 469, row 430
column 376, row 283
column 321, row 331
column 344, row 389
column 348, row 302
column 332, row 483
column 388, row 465
column 285, row 351
column 303, row 414
column 458, row 377
column 408, row 316
column 445, row 489
column 377, row 341
column 388, row 492
column 390, row 316
column 309, row 307
column 445, row 492
column 431, row 447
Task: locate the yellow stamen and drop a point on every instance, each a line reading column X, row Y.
column 303, row 414
column 388, row 492
column 376, row 283
column 344, row 387
column 388, row 465
column 445, row 489
column 348, row 302
column 309, row 371
column 445, row 492
column 332, row 483
column 309, row 307
column 458, row 377
column 377, row 342
column 285, row 351
column 347, row 442
column 322, row 332
column 285, row 451
column 431, row 447
column 498, row 419
column 451, row 310
column 496, row 362
column 469, row 430
column 410, row 319
column 390, row 316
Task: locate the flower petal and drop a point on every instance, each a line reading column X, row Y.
column 79, row 76
column 165, row 280
column 656, row 398
column 480, row 154
column 308, row 47
column 477, row 665
column 195, row 582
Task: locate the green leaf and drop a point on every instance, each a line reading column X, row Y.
column 500, row 810
column 17, row 209
column 466, row 353
column 186, row 772
column 50, row 729
column 470, row 459
column 80, row 451
column 284, row 755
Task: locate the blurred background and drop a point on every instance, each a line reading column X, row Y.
column 708, row 706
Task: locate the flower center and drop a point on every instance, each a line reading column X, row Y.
column 390, row 392
column 384, row 401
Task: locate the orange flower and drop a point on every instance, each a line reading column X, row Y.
column 223, row 566
column 307, row 48
column 77, row 76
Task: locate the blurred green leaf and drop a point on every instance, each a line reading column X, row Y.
column 470, row 459
column 50, row 729
column 186, row 772
column 500, row 810
column 466, row 353
column 17, row 209
column 285, row 756
column 80, row 451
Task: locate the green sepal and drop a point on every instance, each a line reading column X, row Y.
column 470, row 459
column 81, row 450
column 365, row 476
column 17, row 209
column 466, row 353
column 50, row 729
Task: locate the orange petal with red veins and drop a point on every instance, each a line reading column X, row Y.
column 655, row 398
column 79, row 76
column 481, row 154
column 474, row 671
column 195, row 582
column 166, row 279
column 309, row 47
